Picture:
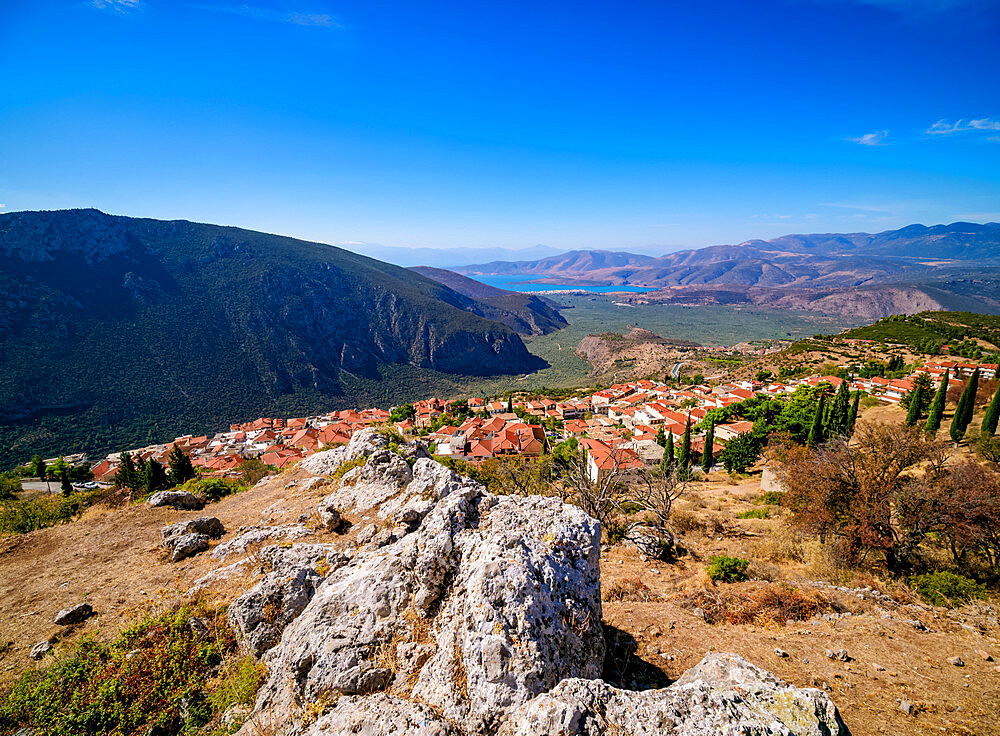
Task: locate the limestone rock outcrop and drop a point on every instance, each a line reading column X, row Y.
column 722, row 694
column 460, row 612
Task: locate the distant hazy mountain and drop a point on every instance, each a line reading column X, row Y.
column 444, row 257
column 114, row 329
column 808, row 261
column 526, row 314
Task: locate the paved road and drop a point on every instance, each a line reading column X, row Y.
column 38, row 485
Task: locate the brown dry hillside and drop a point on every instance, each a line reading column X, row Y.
column 898, row 647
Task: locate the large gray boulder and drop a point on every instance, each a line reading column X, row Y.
column 176, row 500
column 723, row 694
column 383, row 476
column 363, row 442
column 187, row 538
column 260, row 615
column 501, row 595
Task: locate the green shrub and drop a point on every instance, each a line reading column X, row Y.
column 616, row 531
column 20, row 517
column 213, row 489
column 947, row 589
column 135, row 683
column 239, row 682
column 754, row 514
column 726, row 569
column 770, row 498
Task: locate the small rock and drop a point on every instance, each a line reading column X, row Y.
column 984, row 655
column 329, row 515
column 957, row 661
column 781, row 653
column 74, row 614
column 699, row 613
column 878, row 667
column 40, row 649
column 906, row 707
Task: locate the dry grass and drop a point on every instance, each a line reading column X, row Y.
column 630, row 589
column 757, row 603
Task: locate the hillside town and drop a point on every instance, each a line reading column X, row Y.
column 620, row 424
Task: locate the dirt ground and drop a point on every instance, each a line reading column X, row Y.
column 113, row 560
column 878, row 634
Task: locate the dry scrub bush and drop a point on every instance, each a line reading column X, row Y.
column 785, row 546
column 630, row 589
column 684, row 522
column 760, row 604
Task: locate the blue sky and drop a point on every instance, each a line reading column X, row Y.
column 631, row 126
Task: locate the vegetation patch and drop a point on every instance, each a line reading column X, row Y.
column 166, row 673
column 947, row 589
column 760, row 604
column 726, row 569
column 754, row 514
column 630, row 589
column 23, row 516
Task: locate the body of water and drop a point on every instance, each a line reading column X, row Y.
column 518, row 283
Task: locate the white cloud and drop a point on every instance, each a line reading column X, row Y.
column 877, row 138
column 122, row 6
column 322, row 20
column 943, row 127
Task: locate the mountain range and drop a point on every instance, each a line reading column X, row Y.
column 954, row 266
column 115, row 330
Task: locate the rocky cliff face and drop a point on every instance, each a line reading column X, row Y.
column 463, row 613
column 136, row 323
column 526, row 314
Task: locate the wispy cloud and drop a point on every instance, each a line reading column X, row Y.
column 876, row 138
column 296, row 18
column 867, row 208
column 121, row 6
column 980, row 125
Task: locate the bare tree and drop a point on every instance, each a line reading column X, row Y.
column 654, row 491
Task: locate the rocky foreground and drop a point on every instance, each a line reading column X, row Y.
column 456, row 611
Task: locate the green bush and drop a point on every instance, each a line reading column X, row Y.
column 135, row 683
column 616, row 531
column 754, row 514
column 770, row 498
column 212, row 489
column 21, row 517
column 947, row 589
column 726, row 569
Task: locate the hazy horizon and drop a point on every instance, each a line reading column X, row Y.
column 642, row 128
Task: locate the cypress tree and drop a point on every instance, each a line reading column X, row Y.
column 510, row 404
column 668, row 453
column 684, row 456
column 816, row 435
column 64, row 485
column 156, row 477
column 913, row 412
column 661, row 439
column 126, row 476
column 992, row 414
column 937, row 406
column 181, row 469
column 852, row 415
column 38, row 467
column 706, row 456
column 966, row 405
column 839, row 408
